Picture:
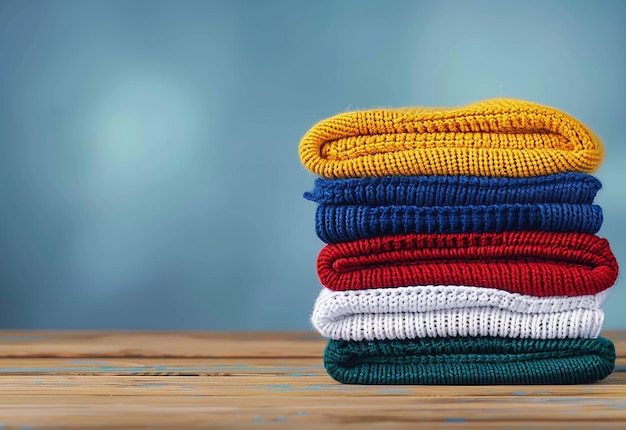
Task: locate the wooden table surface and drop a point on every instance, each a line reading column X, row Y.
column 258, row 380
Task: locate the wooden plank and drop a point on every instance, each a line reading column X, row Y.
column 171, row 366
column 160, row 344
column 178, row 344
column 267, row 385
column 162, row 367
column 229, row 412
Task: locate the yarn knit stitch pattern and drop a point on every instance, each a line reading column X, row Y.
column 574, row 188
column 577, row 323
column 446, row 311
column 345, row 223
column 332, row 305
column 528, row 262
column 351, row 209
column 497, row 137
column 470, row 361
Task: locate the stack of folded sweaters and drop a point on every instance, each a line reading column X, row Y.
column 461, row 246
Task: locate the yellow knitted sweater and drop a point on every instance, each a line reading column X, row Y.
column 498, row 137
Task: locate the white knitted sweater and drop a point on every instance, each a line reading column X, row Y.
column 445, row 311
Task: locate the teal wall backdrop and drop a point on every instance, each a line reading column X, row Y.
column 149, row 175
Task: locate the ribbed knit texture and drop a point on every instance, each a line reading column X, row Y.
column 534, row 263
column 333, row 305
column 575, row 188
column 577, row 323
column 498, row 137
column 448, row 311
column 470, row 361
column 345, row 223
column 351, row 209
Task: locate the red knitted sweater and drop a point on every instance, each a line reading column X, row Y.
column 535, row 263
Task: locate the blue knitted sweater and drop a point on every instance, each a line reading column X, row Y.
column 350, row 209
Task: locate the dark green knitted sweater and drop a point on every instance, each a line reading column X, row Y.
column 470, row 361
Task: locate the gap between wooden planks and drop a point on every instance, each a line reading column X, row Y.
column 257, row 380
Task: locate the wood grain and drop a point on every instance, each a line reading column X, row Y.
column 160, row 344
column 258, row 380
column 177, row 344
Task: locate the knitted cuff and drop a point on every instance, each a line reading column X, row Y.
column 345, row 223
column 534, row 263
column 499, row 137
column 447, row 311
column 470, row 361
column 576, row 188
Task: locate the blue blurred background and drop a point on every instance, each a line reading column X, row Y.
column 149, row 173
